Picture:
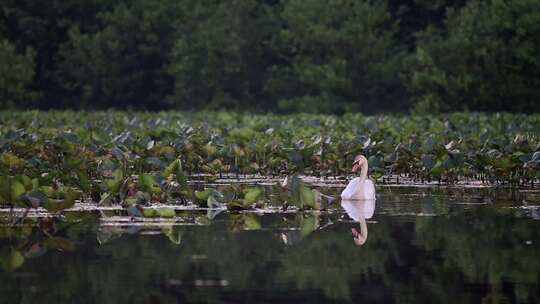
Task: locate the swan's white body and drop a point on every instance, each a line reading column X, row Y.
column 359, row 189
column 359, row 209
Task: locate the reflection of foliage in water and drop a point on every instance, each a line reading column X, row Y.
column 32, row 238
column 328, row 261
column 487, row 246
column 420, row 261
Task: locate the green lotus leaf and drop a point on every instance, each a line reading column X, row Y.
column 252, row 195
column 11, row 161
column 10, row 259
column 116, row 182
column 307, row 197
column 175, row 168
column 166, row 212
column 150, row 212
column 236, row 205
column 203, row 195
column 55, row 205
column 148, row 183
column 17, row 190
column 172, row 168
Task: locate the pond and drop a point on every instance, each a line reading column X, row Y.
column 422, row 246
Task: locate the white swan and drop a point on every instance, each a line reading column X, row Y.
column 361, row 187
column 359, row 210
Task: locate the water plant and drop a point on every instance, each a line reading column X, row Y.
column 51, row 159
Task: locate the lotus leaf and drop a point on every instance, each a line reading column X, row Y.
column 203, row 195
column 150, row 212
column 148, row 183
column 55, row 205
column 17, row 190
column 12, row 161
column 252, row 195
column 116, row 182
column 166, row 212
column 10, row 259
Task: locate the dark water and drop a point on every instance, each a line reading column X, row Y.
column 418, row 250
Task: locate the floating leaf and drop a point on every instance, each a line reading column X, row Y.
column 252, row 195
column 307, row 197
column 166, row 212
column 17, row 189
column 172, row 168
column 10, row 259
column 116, row 182
column 176, row 168
column 150, row 212
column 238, row 205
column 55, row 205
column 203, row 195
column 25, row 181
column 11, row 161
column 147, row 183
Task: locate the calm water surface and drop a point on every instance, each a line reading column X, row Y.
column 419, row 249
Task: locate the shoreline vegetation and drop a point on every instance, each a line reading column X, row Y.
column 271, row 56
column 53, row 159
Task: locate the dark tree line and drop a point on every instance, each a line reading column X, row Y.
column 271, row 55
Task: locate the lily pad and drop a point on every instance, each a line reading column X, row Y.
column 11, row 259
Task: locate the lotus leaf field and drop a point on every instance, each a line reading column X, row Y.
column 52, row 159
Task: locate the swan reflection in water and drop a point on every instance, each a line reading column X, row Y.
column 359, row 211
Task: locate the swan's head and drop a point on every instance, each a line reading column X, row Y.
column 359, row 161
column 358, row 238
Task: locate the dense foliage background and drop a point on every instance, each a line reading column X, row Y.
column 271, row 55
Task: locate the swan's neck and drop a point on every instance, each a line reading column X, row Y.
column 363, row 172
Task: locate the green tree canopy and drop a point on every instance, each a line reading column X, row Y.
column 341, row 56
column 16, row 76
column 123, row 63
column 485, row 59
column 222, row 54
